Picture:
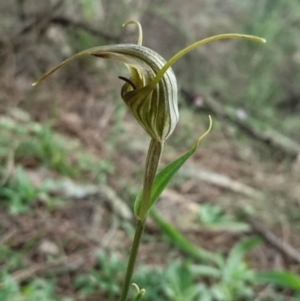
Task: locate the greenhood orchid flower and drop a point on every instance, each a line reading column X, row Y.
column 151, row 91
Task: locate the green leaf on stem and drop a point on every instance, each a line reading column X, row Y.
column 164, row 177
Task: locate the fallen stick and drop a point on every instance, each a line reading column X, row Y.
column 68, row 264
column 221, row 181
column 268, row 136
column 64, row 21
column 281, row 246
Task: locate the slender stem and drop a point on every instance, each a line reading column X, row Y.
column 153, row 157
column 132, row 258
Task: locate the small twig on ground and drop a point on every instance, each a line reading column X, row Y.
column 64, row 21
column 281, row 246
column 269, row 136
column 221, row 181
column 40, row 22
column 71, row 263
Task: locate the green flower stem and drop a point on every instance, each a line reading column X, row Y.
column 153, row 157
column 140, row 225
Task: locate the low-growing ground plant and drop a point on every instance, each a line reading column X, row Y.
column 105, row 281
column 214, row 217
column 37, row 290
column 19, row 192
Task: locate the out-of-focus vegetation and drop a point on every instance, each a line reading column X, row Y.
column 71, row 139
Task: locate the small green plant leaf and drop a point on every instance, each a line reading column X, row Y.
column 213, row 217
column 284, row 279
column 179, row 283
column 237, row 254
column 205, row 271
column 164, row 177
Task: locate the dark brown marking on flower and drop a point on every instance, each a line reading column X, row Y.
column 128, row 81
column 102, row 55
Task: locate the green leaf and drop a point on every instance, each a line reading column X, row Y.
column 205, row 271
column 181, row 242
column 283, row 279
column 237, row 254
column 164, row 177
